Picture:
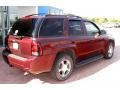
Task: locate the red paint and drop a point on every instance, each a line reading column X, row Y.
column 48, row 48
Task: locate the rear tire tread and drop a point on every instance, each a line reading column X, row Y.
column 54, row 69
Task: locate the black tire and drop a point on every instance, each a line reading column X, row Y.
column 109, row 51
column 63, row 67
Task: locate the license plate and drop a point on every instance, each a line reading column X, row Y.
column 15, row 46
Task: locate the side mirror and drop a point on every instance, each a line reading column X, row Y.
column 103, row 32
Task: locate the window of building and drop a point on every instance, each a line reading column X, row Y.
column 0, row 21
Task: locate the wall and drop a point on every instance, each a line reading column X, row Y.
column 26, row 10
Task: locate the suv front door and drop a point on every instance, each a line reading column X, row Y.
column 96, row 42
column 83, row 42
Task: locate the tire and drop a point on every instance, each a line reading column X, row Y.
column 110, row 51
column 63, row 67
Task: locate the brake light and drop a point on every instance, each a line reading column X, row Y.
column 36, row 49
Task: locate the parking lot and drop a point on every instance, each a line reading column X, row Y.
column 99, row 71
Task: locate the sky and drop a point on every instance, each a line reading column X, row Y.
column 91, row 8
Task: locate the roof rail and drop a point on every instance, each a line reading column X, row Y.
column 72, row 15
column 54, row 15
column 66, row 15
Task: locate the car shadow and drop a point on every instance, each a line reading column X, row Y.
column 15, row 76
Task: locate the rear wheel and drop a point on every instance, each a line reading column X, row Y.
column 63, row 67
column 110, row 50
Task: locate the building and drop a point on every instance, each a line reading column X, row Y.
column 4, row 23
column 43, row 10
column 8, row 15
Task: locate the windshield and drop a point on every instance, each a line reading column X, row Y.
column 23, row 27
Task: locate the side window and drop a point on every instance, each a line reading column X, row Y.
column 75, row 28
column 91, row 28
column 51, row 27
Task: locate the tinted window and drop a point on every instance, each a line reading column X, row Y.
column 51, row 27
column 75, row 28
column 23, row 27
column 91, row 28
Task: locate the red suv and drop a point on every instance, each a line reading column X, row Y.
column 56, row 44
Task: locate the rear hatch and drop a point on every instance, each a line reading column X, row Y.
column 20, row 36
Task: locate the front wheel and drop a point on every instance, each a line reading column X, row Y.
column 110, row 51
column 63, row 67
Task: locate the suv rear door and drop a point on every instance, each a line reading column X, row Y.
column 51, row 35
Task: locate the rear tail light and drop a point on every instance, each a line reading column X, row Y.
column 36, row 49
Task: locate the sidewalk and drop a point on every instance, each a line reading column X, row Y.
column 1, row 49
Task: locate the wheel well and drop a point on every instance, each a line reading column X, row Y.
column 69, row 52
column 112, row 41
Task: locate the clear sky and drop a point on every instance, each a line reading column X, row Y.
column 91, row 8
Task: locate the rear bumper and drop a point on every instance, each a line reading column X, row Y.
column 20, row 62
column 34, row 65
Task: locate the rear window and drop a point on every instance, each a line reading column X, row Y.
column 23, row 27
column 51, row 27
